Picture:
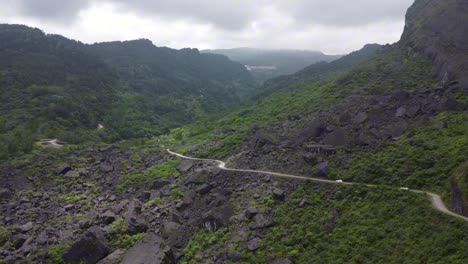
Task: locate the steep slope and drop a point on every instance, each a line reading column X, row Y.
column 385, row 121
column 60, row 88
column 50, row 87
column 265, row 64
column 319, row 71
column 438, row 29
column 391, row 121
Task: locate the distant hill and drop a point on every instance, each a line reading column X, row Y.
column 60, row 88
column 265, row 64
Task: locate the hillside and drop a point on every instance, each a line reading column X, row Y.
column 382, row 118
column 54, row 87
column 436, row 28
column 265, row 64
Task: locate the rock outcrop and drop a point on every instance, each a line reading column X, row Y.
column 149, row 250
column 438, row 29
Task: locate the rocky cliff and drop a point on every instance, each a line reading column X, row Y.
column 438, row 29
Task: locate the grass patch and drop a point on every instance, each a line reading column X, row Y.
column 163, row 170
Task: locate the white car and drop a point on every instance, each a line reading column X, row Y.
column 404, row 188
column 339, row 181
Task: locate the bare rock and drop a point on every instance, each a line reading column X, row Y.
column 108, row 217
column 360, row 118
column 159, row 183
column 63, row 169
column 90, row 248
column 26, row 227
column 217, row 217
column 185, row 166
column 400, row 112
column 113, row 258
column 5, row 194
column 253, row 244
column 322, row 169
column 278, row 194
column 251, row 212
column 106, row 168
column 205, row 188
column 261, row 221
column 149, row 250
column 170, row 228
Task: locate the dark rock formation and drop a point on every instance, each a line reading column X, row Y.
column 438, row 29
column 88, row 249
column 149, row 250
column 217, row 217
column 63, row 169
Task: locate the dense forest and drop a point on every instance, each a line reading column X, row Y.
column 54, row 87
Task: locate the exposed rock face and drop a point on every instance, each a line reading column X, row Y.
column 113, row 258
column 217, row 217
column 89, row 249
column 149, row 250
column 63, row 169
column 438, row 29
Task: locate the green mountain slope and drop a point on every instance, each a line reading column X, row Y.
column 59, row 88
column 382, row 116
column 393, row 120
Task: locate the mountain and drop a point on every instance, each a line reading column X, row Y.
column 319, row 71
column 54, row 87
column 436, row 28
column 395, row 119
column 265, row 64
column 351, row 161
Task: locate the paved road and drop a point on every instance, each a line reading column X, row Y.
column 53, row 142
column 435, row 198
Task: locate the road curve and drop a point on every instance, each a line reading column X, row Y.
column 436, row 200
column 53, row 142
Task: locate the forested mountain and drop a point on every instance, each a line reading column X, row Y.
column 319, row 71
column 56, row 87
column 265, row 64
column 341, row 162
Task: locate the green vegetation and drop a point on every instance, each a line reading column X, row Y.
column 151, row 203
column 460, row 176
column 163, row 170
column 4, row 232
column 177, row 193
column 53, row 87
column 202, row 241
column 119, row 237
column 424, row 158
column 391, row 70
column 354, row 225
column 55, row 252
column 125, row 240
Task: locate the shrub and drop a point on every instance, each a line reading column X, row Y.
column 162, row 170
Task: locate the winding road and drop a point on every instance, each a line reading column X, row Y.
column 53, row 142
column 436, row 200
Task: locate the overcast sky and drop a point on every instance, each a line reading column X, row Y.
column 332, row 26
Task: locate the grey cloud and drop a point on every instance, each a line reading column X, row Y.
column 226, row 14
column 237, row 14
column 344, row 13
column 63, row 11
column 229, row 15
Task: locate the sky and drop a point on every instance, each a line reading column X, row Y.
column 331, row 26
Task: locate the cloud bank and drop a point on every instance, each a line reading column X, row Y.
column 332, row 26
